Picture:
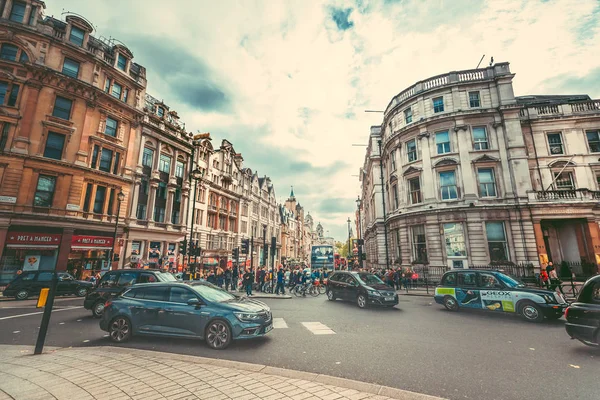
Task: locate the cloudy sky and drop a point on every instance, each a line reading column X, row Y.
column 287, row 82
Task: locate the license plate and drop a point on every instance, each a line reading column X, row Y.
column 268, row 328
column 389, row 299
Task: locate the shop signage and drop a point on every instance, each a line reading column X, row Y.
column 28, row 239
column 83, row 241
column 73, row 207
column 8, row 199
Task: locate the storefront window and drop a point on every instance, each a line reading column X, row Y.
column 14, row 260
column 83, row 263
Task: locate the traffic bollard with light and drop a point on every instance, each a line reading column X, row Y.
column 39, row 345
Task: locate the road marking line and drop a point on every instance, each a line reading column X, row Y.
column 85, row 341
column 61, row 323
column 318, row 328
column 16, row 331
column 279, row 323
column 40, row 312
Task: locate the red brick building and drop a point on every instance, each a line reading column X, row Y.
column 70, row 106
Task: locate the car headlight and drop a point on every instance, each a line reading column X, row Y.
column 548, row 298
column 374, row 293
column 246, row 317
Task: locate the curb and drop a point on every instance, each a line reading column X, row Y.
column 344, row 383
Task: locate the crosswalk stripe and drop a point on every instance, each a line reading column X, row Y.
column 318, row 328
column 279, row 323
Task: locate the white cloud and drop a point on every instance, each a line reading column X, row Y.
column 292, row 76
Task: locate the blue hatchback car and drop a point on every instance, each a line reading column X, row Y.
column 200, row 310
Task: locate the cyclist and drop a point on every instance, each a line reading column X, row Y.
column 306, row 283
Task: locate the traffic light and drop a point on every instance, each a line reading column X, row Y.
column 192, row 249
column 183, row 247
column 236, row 253
column 245, row 245
column 273, row 244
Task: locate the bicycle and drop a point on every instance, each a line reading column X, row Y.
column 301, row 290
column 320, row 287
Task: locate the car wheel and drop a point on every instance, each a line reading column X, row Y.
column 218, row 335
column 81, row 292
column 119, row 330
column 22, row 294
column 450, row 303
column 361, row 301
column 330, row 295
column 531, row 312
column 98, row 309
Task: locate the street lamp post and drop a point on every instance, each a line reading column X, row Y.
column 120, row 198
column 359, row 235
column 348, row 256
column 196, row 175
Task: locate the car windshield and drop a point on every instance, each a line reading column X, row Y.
column 511, row 281
column 166, row 277
column 213, row 294
column 369, row 279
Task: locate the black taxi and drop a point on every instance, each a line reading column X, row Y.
column 497, row 292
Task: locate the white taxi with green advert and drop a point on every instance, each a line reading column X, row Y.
column 497, row 292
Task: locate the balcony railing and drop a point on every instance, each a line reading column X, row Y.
column 212, row 208
column 451, row 78
column 565, row 195
column 560, row 110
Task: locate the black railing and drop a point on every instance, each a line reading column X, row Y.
column 422, row 276
column 516, row 270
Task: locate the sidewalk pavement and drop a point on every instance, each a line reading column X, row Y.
column 118, row 373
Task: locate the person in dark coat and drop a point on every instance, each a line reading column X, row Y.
column 234, row 278
column 211, row 278
column 227, row 278
column 247, row 281
column 261, row 279
column 280, row 282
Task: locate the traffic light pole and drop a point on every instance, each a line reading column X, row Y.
column 252, row 254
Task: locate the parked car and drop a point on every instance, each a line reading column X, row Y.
column 583, row 316
column 363, row 288
column 30, row 283
column 115, row 281
column 495, row 291
column 199, row 310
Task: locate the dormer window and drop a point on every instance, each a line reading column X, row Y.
column 121, row 62
column 76, row 36
column 160, row 111
column 17, row 14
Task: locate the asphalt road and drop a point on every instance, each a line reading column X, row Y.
column 417, row 346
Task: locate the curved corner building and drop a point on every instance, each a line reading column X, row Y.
column 474, row 176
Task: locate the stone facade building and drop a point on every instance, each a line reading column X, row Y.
column 70, row 108
column 158, row 216
column 465, row 184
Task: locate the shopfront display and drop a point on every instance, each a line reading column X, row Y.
column 154, row 255
column 89, row 254
column 28, row 251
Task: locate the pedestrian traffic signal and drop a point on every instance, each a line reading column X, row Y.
column 245, row 245
column 192, row 249
column 183, row 247
column 236, row 253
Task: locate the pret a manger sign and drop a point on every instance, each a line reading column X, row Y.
column 83, row 241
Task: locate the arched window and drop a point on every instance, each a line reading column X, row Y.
column 10, row 52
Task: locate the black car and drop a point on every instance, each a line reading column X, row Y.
column 30, row 283
column 113, row 282
column 363, row 288
column 583, row 316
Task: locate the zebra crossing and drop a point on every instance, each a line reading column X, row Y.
column 316, row 328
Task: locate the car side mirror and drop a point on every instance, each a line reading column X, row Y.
column 194, row 302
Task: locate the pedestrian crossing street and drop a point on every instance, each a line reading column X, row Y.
column 316, row 328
